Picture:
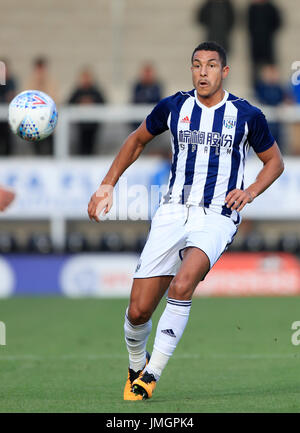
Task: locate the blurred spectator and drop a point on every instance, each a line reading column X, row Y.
column 270, row 91
column 40, row 79
column 87, row 92
column 218, row 17
column 7, row 93
column 264, row 19
column 147, row 89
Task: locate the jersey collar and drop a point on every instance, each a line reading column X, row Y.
column 213, row 107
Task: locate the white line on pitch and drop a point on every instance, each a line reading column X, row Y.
column 94, row 357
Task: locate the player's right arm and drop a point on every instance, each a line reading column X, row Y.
column 131, row 149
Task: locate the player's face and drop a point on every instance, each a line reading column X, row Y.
column 208, row 73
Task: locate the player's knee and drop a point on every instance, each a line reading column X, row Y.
column 138, row 315
column 180, row 289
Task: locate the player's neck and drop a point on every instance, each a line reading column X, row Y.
column 212, row 100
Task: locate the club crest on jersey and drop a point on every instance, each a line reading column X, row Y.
column 229, row 122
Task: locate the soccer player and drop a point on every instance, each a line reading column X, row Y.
column 6, row 197
column 211, row 131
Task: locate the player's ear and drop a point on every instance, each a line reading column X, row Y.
column 225, row 71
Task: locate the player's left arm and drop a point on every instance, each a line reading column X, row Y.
column 273, row 167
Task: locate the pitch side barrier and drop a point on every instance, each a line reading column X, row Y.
column 134, row 113
column 126, row 114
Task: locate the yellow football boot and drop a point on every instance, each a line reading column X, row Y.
column 144, row 385
column 132, row 376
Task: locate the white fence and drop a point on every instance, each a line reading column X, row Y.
column 126, row 114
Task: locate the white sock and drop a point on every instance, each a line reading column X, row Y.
column 169, row 331
column 158, row 362
column 136, row 337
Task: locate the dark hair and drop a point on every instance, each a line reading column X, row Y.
column 40, row 62
column 212, row 46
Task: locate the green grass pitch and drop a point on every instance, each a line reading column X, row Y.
column 65, row 355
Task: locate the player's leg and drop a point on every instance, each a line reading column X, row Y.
column 207, row 236
column 157, row 266
column 146, row 293
column 172, row 323
column 195, row 266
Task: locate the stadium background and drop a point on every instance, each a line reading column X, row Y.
column 49, row 247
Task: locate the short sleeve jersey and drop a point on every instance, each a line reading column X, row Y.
column 210, row 145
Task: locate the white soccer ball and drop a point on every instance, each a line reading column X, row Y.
column 32, row 115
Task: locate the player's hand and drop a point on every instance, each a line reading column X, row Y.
column 101, row 201
column 6, row 197
column 237, row 199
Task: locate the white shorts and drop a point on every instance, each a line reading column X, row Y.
column 175, row 227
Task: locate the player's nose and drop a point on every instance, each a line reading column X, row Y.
column 203, row 71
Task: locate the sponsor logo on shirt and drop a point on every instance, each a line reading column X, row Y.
column 206, row 139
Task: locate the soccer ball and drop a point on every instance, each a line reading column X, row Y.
column 32, row 115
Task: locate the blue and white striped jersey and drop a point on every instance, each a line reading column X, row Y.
column 210, row 145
